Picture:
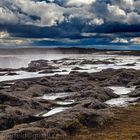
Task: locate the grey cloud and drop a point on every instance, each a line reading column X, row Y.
column 48, row 14
column 52, row 13
column 7, row 16
column 69, row 18
column 124, row 4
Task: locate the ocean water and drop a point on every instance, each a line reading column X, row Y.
column 17, row 61
column 113, row 47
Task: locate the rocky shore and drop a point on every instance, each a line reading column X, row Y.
column 62, row 102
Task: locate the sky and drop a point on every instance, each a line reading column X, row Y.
column 29, row 23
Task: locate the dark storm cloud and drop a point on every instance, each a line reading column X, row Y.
column 75, row 21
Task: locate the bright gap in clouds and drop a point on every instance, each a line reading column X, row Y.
column 4, row 34
column 79, row 2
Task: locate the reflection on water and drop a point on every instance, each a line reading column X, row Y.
column 124, row 99
column 55, row 111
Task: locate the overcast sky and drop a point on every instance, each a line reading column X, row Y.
column 69, row 22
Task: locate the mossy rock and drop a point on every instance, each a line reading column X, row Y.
column 72, row 126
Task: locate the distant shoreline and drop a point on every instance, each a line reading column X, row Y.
column 57, row 50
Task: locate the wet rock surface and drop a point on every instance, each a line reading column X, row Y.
column 81, row 96
column 135, row 93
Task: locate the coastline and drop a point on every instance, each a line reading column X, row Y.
column 71, row 97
